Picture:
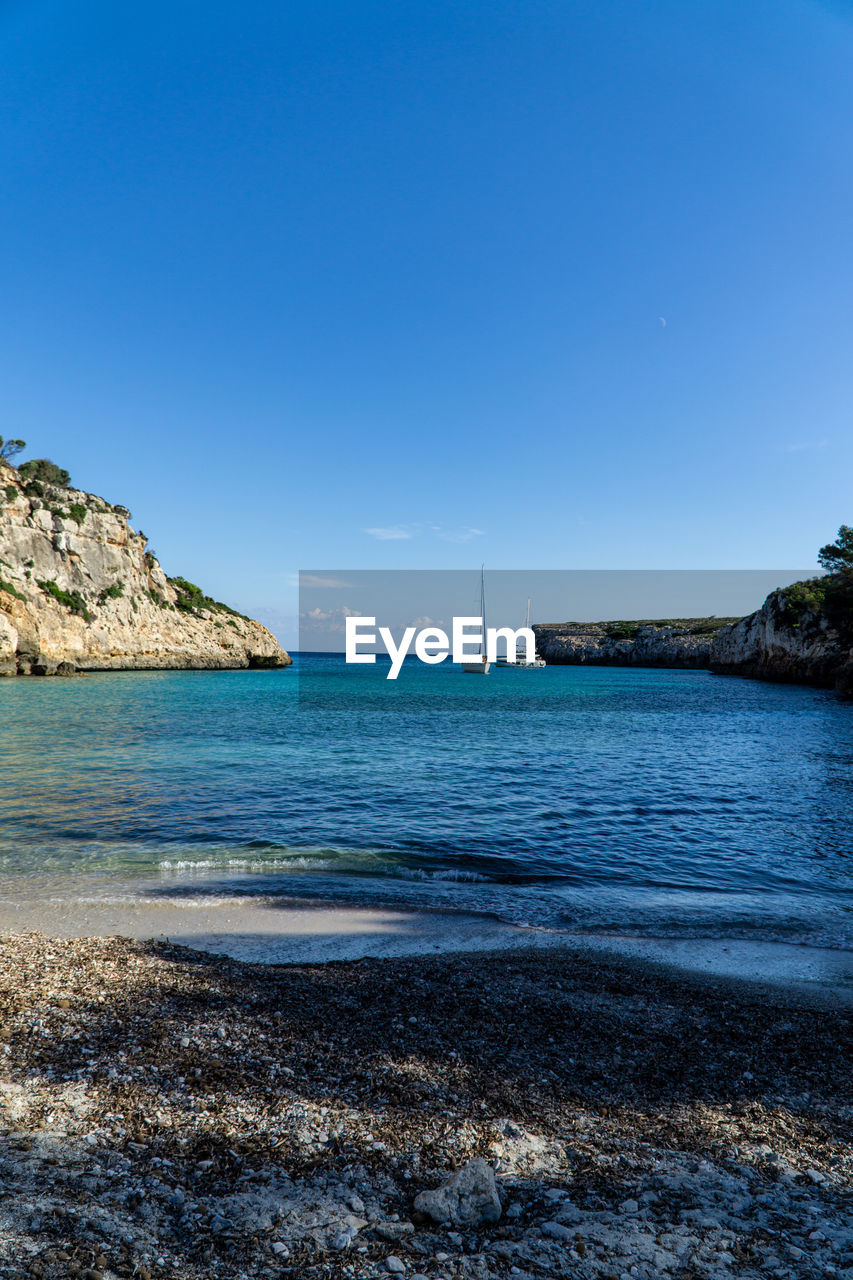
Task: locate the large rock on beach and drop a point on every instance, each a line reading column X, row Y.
column 467, row 1199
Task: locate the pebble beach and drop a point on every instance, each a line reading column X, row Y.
column 169, row 1113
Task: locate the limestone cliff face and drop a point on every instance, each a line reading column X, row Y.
column 641, row 645
column 787, row 639
column 78, row 591
column 778, row 643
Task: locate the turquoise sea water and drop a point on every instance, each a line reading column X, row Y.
column 662, row 802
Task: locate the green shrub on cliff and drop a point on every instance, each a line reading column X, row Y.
column 11, row 493
column 13, row 591
column 829, row 598
column 71, row 599
column 803, row 598
column 709, row 626
column 191, row 599
column 622, row 630
column 77, row 512
column 45, row 472
column 111, row 593
column 681, row 626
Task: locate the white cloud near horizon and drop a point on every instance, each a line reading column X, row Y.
column 392, row 534
column 327, row 620
column 312, row 580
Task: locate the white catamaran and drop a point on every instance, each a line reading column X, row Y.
column 521, row 659
column 480, row 666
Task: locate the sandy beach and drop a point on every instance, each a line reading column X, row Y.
column 280, row 930
column 171, row 1113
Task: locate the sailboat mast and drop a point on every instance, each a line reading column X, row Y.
column 483, row 607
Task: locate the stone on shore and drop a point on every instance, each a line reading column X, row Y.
column 467, row 1199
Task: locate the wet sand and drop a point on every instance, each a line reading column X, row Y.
column 277, row 930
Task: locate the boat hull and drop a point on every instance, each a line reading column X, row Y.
column 535, row 665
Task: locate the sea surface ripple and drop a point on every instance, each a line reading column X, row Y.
column 673, row 803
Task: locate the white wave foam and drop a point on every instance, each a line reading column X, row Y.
column 451, row 875
column 299, row 862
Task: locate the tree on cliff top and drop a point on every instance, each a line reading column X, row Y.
column 837, row 557
column 9, row 448
column 45, row 471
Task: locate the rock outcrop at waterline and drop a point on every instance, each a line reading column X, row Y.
column 802, row 634
column 796, row 637
column 79, row 591
column 672, row 643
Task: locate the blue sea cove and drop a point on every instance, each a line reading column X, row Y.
column 602, row 800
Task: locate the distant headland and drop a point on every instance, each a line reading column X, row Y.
column 80, row 590
column 802, row 634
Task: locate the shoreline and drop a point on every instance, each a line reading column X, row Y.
column 169, row 1113
column 272, row 930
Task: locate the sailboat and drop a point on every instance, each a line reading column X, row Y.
column 534, row 663
column 480, row 666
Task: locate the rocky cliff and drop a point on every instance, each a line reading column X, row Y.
column 672, row 643
column 801, row 634
column 80, row 591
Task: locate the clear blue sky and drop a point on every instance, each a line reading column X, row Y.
column 275, row 275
